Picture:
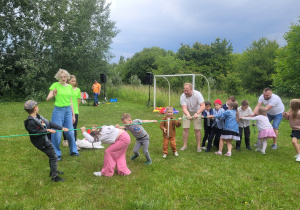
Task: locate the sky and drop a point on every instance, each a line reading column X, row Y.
column 169, row 23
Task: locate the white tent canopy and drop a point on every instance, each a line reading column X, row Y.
column 177, row 75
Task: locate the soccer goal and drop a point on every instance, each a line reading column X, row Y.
column 177, row 75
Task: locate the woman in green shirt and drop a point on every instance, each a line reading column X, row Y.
column 63, row 112
column 76, row 99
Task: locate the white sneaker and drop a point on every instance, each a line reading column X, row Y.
column 258, row 150
column 97, row 173
column 65, row 143
column 199, row 150
column 203, row 148
column 296, row 156
column 298, row 159
column 176, row 154
column 183, row 148
column 263, row 152
column 164, row 155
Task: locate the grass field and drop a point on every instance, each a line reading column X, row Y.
column 247, row 180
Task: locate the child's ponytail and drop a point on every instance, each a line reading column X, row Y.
column 234, row 106
column 96, row 135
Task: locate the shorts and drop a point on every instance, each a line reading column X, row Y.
column 295, row 134
column 187, row 123
column 276, row 120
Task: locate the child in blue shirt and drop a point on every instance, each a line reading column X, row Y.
column 217, row 125
column 231, row 130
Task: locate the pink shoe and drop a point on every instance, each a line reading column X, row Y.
column 218, row 153
column 228, row 154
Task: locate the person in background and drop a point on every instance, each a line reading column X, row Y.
column 229, row 100
column 96, row 90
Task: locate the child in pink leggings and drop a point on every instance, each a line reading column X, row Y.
column 115, row 153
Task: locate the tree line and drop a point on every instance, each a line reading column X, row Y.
column 39, row 37
column 263, row 64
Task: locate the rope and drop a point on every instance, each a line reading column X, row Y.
column 37, row 134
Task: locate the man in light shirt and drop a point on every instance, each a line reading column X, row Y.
column 274, row 107
column 192, row 104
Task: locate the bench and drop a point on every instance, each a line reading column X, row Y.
column 88, row 100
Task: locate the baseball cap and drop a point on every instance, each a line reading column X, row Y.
column 218, row 101
column 30, row 104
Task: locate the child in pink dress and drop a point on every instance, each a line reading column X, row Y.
column 264, row 127
column 115, row 153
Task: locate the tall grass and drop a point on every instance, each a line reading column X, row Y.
column 140, row 94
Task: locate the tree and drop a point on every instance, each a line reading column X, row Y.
column 72, row 34
column 287, row 74
column 256, row 65
column 142, row 62
column 211, row 60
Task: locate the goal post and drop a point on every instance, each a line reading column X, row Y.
column 177, row 75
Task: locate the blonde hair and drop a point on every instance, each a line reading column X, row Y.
column 125, row 116
column 234, row 106
column 169, row 108
column 71, row 77
column 262, row 111
column 294, row 108
column 60, row 71
column 189, row 84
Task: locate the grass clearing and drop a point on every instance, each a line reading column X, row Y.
column 191, row 181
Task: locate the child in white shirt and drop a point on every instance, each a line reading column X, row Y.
column 244, row 125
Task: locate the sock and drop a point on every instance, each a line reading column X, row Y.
column 265, row 142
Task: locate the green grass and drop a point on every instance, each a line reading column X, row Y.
column 247, row 180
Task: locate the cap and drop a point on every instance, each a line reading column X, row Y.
column 218, row 101
column 30, row 104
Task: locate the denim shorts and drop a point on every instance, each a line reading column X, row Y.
column 276, row 120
